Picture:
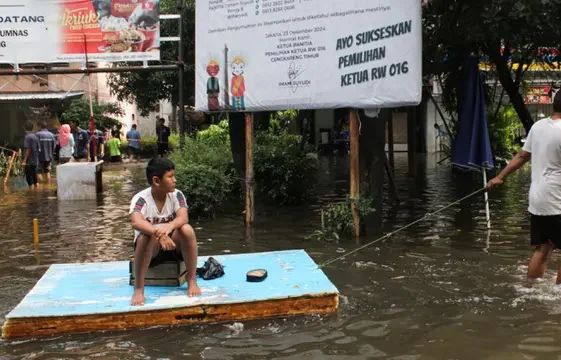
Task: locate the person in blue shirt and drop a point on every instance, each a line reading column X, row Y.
column 81, row 141
column 133, row 138
column 47, row 146
column 31, row 157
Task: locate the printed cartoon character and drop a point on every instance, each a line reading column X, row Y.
column 237, row 89
column 213, row 85
column 102, row 7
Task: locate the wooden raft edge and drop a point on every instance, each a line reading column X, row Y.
column 39, row 327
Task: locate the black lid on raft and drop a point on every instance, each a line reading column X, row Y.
column 257, row 275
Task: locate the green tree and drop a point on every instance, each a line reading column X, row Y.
column 146, row 89
column 502, row 31
column 104, row 113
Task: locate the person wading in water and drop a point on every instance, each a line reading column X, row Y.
column 543, row 148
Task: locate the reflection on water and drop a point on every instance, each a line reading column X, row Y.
column 429, row 292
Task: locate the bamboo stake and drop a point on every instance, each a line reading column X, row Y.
column 355, row 179
column 10, row 164
column 249, row 195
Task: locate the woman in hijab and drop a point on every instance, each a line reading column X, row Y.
column 66, row 141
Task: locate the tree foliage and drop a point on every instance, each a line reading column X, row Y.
column 146, row 89
column 502, row 32
column 104, row 113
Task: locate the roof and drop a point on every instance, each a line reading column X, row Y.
column 36, row 95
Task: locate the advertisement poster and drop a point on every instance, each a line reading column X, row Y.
column 46, row 31
column 260, row 55
column 538, row 95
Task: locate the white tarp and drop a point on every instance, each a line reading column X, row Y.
column 255, row 55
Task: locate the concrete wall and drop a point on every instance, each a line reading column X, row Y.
column 399, row 131
column 13, row 116
column 12, row 128
column 146, row 124
column 325, row 119
column 27, row 83
column 434, row 136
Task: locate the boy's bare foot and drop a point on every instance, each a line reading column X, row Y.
column 138, row 297
column 193, row 289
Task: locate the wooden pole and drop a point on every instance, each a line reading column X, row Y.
column 411, row 141
column 35, row 231
column 92, row 120
column 391, row 181
column 10, row 164
column 355, row 179
column 226, row 82
column 391, row 142
column 183, row 127
column 249, row 196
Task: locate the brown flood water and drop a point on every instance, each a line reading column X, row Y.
column 440, row 290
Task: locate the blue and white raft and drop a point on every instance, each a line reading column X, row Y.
column 78, row 298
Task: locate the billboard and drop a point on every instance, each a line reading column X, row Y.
column 307, row 54
column 46, row 31
column 540, row 95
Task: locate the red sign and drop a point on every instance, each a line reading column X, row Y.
column 538, row 95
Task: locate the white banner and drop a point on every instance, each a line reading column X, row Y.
column 258, row 55
column 46, row 31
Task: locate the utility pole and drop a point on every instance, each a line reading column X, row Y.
column 181, row 66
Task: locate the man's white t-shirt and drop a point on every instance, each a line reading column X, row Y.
column 544, row 143
column 144, row 203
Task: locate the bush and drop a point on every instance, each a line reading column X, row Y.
column 215, row 134
column 280, row 121
column 205, row 188
column 149, row 145
column 105, row 113
column 204, row 172
column 5, row 162
column 504, row 131
column 337, row 219
column 283, row 170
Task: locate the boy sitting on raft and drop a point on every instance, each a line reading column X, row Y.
column 160, row 220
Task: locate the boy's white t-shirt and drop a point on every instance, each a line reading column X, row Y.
column 144, row 203
column 544, row 143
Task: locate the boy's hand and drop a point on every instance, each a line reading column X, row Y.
column 162, row 231
column 166, row 243
column 167, row 229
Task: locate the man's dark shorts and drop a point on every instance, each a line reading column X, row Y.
column 163, row 256
column 546, row 230
column 134, row 151
column 44, row 167
column 31, row 174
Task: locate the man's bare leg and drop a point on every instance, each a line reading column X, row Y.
column 146, row 248
column 538, row 263
column 186, row 240
column 558, row 281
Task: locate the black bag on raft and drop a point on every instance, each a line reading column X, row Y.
column 211, row 270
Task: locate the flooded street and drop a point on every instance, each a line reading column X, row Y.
column 442, row 289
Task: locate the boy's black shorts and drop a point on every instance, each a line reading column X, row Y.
column 546, row 230
column 31, row 174
column 163, row 256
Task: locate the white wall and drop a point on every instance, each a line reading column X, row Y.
column 325, row 118
column 146, row 124
column 432, row 134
